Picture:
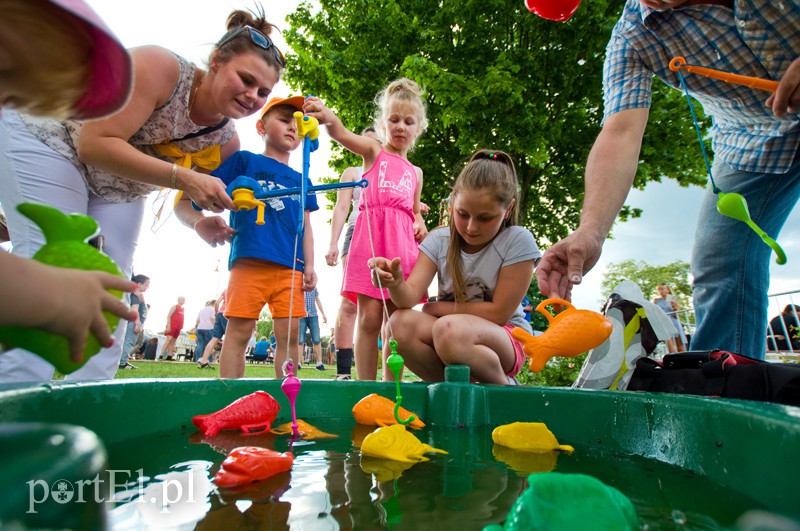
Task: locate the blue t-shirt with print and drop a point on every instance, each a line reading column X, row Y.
column 274, row 241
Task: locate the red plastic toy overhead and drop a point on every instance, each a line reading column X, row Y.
column 557, row 10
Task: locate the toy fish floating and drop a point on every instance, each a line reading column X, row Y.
column 394, row 442
column 376, row 410
column 528, row 437
column 591, row 504
column 250, row 463
column 65, row 246
column 307, row 431
column 255, row 411
column 225, row 441
column 570, row 333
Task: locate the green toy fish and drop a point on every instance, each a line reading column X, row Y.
column 65, row 246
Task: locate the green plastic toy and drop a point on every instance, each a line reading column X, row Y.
column 567, row 502
column 65, row 246
column 395, row 363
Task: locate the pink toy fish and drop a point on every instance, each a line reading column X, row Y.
column 250, row 463
column 254, row 412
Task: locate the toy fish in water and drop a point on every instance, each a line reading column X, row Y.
column 384, row 469
column 65, row 246
column 394, row 442
column 528, row 437
column 571, row 332
column 250, row 463
column 307, row 431
column 541, row 505
column 375, row 410
column 254, row 412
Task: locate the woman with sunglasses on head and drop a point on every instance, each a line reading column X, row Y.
column 176, row 126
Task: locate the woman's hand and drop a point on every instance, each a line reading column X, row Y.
column 214, row 230
column 207, row 192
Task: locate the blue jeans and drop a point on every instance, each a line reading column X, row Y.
column 309, row 323
column 203, row 337
column 730, row 263
column 128, row 343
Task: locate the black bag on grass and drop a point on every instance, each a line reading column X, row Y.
column 719, row 373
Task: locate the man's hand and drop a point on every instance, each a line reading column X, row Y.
column 565, row 263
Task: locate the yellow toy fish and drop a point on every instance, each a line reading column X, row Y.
column 375, row 410
column 394, row 442
column 570, row 333
column 528, row 437
column 307, row 431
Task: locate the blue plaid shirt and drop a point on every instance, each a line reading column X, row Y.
column 757, row 38
column 311, row 302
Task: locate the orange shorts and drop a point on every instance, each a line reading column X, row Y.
column 254, row 283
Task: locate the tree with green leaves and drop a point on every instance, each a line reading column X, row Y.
column 264, row 324
column 496, row 77
column 647, row 276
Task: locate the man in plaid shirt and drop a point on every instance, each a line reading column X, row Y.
column 755, row 138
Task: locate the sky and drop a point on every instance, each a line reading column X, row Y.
column 179, row 263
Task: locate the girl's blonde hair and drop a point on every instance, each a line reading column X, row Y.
column 242, row 43
column 400, row 91
column 491, row 172
column 48, row 78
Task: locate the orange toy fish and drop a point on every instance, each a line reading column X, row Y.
column 255, row 411
column 247, row 464
column 307, row 431
column 570, row 333
column 375, row 410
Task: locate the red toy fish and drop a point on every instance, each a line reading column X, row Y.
column 247, row 464
column 252, row 413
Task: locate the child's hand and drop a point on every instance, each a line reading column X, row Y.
column 78, row 301
column 313, row 107
column 214, row 230
column 309, row 279
column 420, row 231
column 389, row 273
column 332, row 256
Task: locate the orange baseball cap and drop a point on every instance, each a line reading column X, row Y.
column 292, row 101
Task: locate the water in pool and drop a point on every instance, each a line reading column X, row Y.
column 331, row 487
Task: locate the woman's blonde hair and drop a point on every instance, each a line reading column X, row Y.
column 242, row 43
column 491, row 172
column 52, row 66
column 400, row 91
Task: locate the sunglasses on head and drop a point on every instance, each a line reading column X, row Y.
column 257, row 38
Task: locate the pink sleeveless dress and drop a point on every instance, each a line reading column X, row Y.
column 388, row 204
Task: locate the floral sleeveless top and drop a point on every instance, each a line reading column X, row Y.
column 168, row 122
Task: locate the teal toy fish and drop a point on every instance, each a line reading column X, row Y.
column 65, row 246
column 569, row 502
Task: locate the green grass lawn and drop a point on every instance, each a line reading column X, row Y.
column 184, row 369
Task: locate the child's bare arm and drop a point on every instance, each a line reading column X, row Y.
column 420, row 230
column 404, row 293
column 360, row 145
column 309, row 274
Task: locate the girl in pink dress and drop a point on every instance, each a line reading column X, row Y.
column 389, row 212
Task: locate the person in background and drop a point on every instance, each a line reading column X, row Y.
column 59, row 59
column 669, row 303
column 220, row 326
column 527, row 308
column 172, row 331
column 484, row 262
column 134, row 328
column 177, row 124
column 783, row 326
column 204, row 328
column 310, row 323
column 755, row 137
